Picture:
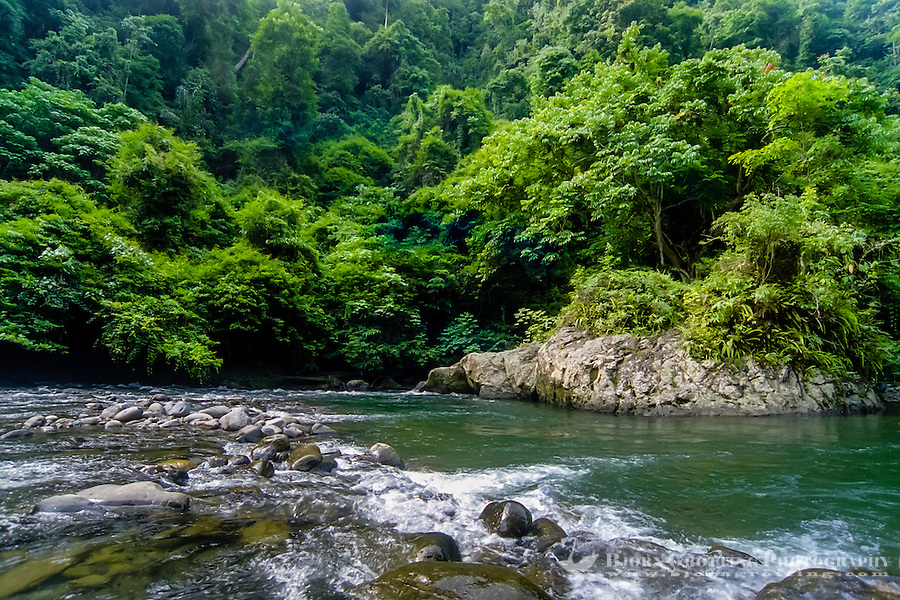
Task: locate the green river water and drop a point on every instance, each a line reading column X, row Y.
column 793, row 492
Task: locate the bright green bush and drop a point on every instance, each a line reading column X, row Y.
column 635, row 301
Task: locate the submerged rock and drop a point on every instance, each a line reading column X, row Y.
column 141, row 494
column 452, row 581
column 825, row 584
column 17, row 434
column 507, row 518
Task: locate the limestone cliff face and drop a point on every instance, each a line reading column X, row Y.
column 650, row 376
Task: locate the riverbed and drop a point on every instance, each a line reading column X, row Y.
column 791, row 492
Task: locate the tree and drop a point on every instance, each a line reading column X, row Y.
column 48, row 132
column 277, row 81
column 397, row 63
column 339, row 56
column 157, row 180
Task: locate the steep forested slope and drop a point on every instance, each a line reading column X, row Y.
column 380, row 186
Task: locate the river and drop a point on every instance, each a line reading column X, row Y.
column 793, row 492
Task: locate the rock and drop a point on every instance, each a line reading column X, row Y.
column 502, row 375
column 17, row 434
column 217, row 411
column 435, row 546
column 113, row 424
column 132, row 413
column 88, row 421
column 653, row 376
column 263, row 468
column 111, row 411
column 66, row 503
column 177, row 409
column 274, row 447
column 733, row 557
column 357, row 385
column 387, row 383
column 323, row 430
column 160, row 398
column 546, row 533
column 305, row 457
column 293, row 432
column 34, row 422
column 448, row 380
column 156, row 408
column 250, row 434
column 270, row 430
column 507, row 518
column 142, row 494
column 199, row 416
column 239, row 460
column 825, row 584
column 328, row 464
column 385, row 455
column 452, row 580
column 177, row 464
column 234, row 419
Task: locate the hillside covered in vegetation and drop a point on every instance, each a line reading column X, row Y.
column 188, row 186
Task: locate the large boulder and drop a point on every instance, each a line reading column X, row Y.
column 448, row 380
column 452, row 581
column 653, row 376
column 502, row 375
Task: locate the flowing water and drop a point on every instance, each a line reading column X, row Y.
column 792, row 492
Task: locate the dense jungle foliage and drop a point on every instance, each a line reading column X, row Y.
column 191, row 186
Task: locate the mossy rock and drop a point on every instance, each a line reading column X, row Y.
column 826, row 584
column 305, row 457
column 452, row 581
column 547, row 533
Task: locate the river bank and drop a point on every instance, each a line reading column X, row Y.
column 648, row 376
column 650, row 500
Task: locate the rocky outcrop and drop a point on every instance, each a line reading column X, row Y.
column 653, row 376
